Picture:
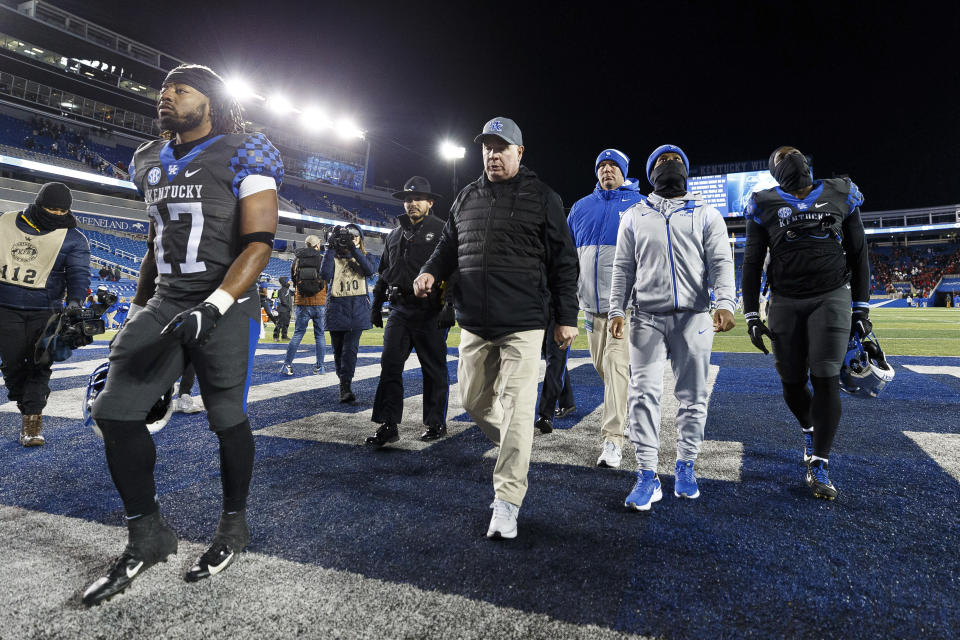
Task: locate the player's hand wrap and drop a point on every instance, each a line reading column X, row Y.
column 861, row 325
column 376, row 317
column 756, row 329
column 194, row 326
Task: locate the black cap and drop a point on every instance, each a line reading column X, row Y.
column 54, row 195
column 416, row 185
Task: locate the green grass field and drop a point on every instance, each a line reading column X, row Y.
column 902, row 332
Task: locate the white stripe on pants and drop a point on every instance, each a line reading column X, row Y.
column 611, row 359
column 687, row 338
column 498, row 388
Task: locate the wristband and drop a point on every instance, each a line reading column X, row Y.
column 221, row 300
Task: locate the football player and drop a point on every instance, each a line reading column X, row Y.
column 818, row 272
column 211, row 195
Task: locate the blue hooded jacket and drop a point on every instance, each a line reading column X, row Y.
column 594, row 221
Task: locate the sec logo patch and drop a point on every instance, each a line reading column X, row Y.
column 153, row 176
column 784, row 212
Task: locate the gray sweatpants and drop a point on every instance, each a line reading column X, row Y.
column 686, row 337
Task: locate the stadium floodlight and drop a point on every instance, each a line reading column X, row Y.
column 314, row 119
column 347, row 128
column 240, row 90
column 451, row 151
column 279, row 104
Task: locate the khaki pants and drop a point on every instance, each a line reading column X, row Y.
column 498, row 388
column 611, row 358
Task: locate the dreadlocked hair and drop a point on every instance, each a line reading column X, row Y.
column 226, row 114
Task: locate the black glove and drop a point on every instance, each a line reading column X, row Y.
column 376, row 316
column 756, row 329
column 194, row 326
column 861, row 325
column 446, row 318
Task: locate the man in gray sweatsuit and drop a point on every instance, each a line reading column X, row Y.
column 670, row 248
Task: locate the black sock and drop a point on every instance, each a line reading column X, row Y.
column 825, row 411
column 236, row 465
column 798, row 399
column 131, row 457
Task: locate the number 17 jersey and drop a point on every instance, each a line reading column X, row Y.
column 194, row 205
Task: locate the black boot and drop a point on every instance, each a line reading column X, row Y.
column 231, row 538
column 346, row 395
column 150, row 540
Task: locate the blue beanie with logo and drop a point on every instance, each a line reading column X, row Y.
column 619, row 157
column 662, row 149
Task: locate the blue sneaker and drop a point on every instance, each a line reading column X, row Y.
column 685, row 481
column 645, row 492
column 807, row 447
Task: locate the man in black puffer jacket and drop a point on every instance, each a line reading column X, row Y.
column 508, row 237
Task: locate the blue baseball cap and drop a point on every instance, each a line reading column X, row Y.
column 619, row 157
column 662, row 149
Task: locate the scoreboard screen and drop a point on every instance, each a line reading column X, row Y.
column 729, row 192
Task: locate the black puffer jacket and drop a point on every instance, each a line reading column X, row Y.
column 511, row 243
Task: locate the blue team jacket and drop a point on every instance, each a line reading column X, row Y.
column 593, row 223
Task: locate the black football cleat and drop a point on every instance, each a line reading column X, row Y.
column 231, row 538
column 819, row 481
column 544, row 424
column 434, row 432
column 151, row 540
column 563, row 412
column 386, row 434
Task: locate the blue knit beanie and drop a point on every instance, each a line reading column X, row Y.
column 619, row 157
column 662, row 149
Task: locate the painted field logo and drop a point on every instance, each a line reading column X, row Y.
column 23, row 252
column 784, row 212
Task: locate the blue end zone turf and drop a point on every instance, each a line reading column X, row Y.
column 755, row 555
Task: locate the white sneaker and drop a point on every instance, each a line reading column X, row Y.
column 503, row 524
column 610, row 456
column 186, row 404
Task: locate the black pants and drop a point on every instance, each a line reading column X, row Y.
column 27, row 383
column 411, row 328
column 556, row 382
column 346, row 345
column 281, row 323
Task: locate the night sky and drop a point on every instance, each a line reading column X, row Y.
column 868, row 89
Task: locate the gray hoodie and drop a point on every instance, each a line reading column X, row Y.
column 669, row 251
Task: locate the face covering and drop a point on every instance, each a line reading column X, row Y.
column 669, row 179
column 50, row 221
column 792, row 173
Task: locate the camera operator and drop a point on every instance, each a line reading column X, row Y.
column 42, row 256
column 346, row 268
column 414, row 322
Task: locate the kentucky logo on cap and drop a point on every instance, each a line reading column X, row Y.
column 497, row 126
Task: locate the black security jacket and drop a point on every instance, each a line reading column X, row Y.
column 512, row 246
column 405, row 251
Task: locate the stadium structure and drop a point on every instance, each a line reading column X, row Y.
column 350, row 543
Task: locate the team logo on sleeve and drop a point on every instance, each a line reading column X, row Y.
column 784, row 212
column 429, row 237
column 153, row 176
